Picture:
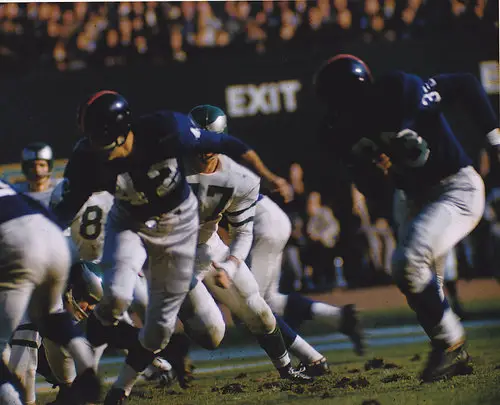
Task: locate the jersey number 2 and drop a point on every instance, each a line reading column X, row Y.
column 91, row 226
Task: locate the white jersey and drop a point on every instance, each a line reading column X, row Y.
column 41, row 196
column 87, row 228
column 231, row 191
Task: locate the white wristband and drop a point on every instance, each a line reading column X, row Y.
column 494, row 137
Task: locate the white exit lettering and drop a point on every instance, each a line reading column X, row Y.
column 267, row 98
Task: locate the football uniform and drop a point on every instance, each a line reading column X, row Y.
column 154, row 209
column 443, row 193
column 26, row 340
column 34, row 267
column 231, row 191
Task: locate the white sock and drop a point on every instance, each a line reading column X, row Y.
column 449, row 329
column 82, row 353
column 304, row 351
column 282, row 361
column 326, row 313
column 126, row 379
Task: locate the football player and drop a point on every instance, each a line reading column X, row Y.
column 155, row 214
column 271, row 232
column 37, row 163
column 35, row 266
column 393, row 129
column 225, row 188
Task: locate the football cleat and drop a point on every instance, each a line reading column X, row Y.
column 350, row 325
column 115, row 396
column 86, row 388
column 294, row 375
column 316, row 369
column 444, row 364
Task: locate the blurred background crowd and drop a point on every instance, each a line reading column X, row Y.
column 71, row 36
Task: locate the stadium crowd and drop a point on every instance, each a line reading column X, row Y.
column 72, row 36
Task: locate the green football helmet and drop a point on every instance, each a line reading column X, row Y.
column 209, row 117
column 212, row 119
column 85, row 286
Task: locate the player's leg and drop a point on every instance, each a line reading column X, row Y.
column 311, row 360
column 23, row 357
column 450, row 276
column 243, row 300
column 140, row 300
column 12, row 302
column 271, row 232
column 17, row 283
column 430, row 235
column 46, row 307
column 171, row 248
column 62, row 368
column 123, row 258
column 202, row 318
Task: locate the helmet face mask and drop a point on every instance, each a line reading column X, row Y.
column 85, row 289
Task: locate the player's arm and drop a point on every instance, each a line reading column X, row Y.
column 467, row 89
column 240, row 216
column 73, row 194
column 238, row 150
column 197, row 140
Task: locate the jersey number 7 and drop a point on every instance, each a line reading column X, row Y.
column 212, row 191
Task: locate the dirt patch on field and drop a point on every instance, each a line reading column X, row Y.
column 391, row 297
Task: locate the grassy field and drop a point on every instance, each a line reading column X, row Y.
column 386, row 375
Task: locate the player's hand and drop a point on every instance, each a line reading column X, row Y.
column 384, row 163
column 222, row 280
column 225, row 272
column 280, row 185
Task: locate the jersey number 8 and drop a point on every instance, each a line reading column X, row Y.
column 91, row 223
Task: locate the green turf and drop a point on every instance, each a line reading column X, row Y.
column 349, row 384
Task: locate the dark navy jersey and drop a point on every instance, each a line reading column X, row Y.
column 14, row 205
column 405, row 123
column 150, row 181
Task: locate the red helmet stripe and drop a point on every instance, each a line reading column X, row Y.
column 92, row 98
column 349, row 56
column 99, row 94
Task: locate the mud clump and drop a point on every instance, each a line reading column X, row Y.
column 346, row 382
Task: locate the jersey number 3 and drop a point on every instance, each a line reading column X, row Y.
column 91, row 223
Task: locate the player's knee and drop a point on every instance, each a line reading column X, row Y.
column 211, row 338
column 277, row 302
column 11, row 389
column 411, row 269
column 260, row 318
column 115, row 305
column 155, row 337
column 278, row 236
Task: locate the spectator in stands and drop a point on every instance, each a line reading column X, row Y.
column 32, row 33
column 322, row 230
column 176, row 42
column 294, row 277
column 492, row 217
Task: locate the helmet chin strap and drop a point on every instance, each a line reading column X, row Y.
column 120, row 140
